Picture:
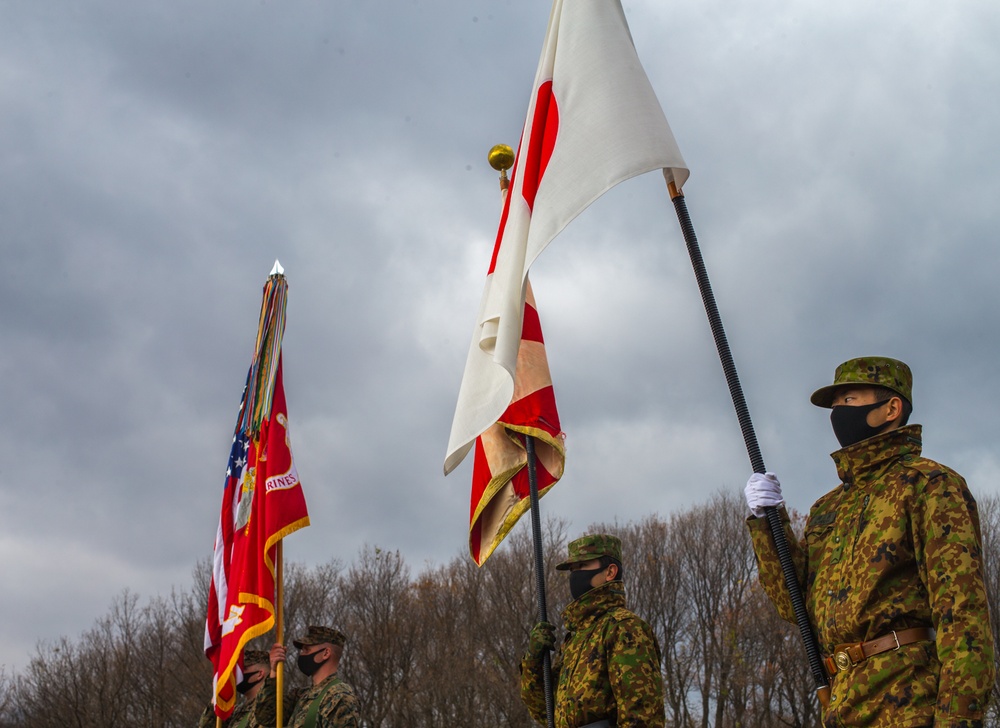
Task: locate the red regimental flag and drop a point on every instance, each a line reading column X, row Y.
column 593, row 121
column 263, row 503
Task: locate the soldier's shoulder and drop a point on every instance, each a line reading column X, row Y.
column 933, row 482
column 340, row 688
column 622, row 614
column 625, row 618
column 339, row 704
column 337, row 692
column 631, row 639
column 931, row 471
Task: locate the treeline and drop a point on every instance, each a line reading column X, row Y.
column 442, row 647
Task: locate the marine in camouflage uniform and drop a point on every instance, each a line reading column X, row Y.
column 255, row 663
column 608, row 666
column 241, row 717
column 895, row 546
column 328, row 703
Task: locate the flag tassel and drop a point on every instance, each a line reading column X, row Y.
column 750, row 439
column 536, row 537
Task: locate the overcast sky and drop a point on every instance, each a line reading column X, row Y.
column 156, row 158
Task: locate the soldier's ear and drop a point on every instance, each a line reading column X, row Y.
column 612, row 571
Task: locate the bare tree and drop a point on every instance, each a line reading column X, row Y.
column 717, row 572
column 654, row 587
column 84, row 684
column 188, row 679
column 376, row 614
column 8, row 717
column 446, row 647
column 312, row 596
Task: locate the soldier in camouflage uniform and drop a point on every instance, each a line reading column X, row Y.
column 256, row 666
column 891, row 565
column 328, row 703
column 608, row 666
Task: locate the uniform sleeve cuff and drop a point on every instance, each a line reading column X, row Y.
column 962, row 711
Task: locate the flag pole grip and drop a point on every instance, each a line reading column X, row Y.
column 750, row 439
column 536, row 537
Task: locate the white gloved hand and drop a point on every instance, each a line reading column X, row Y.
column 763, row 491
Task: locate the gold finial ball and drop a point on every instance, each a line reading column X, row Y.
column 501, row 157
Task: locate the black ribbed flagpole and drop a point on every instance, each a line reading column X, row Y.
column 750, row 438
column 536, row 537
column 501, row 158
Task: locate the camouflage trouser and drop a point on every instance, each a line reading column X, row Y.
column 599, row 724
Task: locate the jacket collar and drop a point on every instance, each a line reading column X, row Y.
column 857, row 463
column 579, row 613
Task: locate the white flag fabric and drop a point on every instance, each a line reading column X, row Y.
column 593, row 121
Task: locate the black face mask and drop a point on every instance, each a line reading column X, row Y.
column 308, row 665
column 579, row 581
column 850, row 424
column 245, row 685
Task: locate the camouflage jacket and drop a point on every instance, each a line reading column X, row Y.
column 608, row 667
column 338, row 709
column 895, row 545
column 242, row 717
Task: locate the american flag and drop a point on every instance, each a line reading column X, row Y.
column 218, row 595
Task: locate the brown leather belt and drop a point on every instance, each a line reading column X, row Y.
column 847, row 656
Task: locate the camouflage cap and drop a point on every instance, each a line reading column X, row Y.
column 592, row 547
column 255, row 657
column 879, row 371
column 320, row 635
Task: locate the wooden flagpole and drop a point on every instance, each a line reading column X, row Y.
column 753, row 449
column 279, row 622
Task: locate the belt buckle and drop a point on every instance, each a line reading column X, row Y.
column 842, row 660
